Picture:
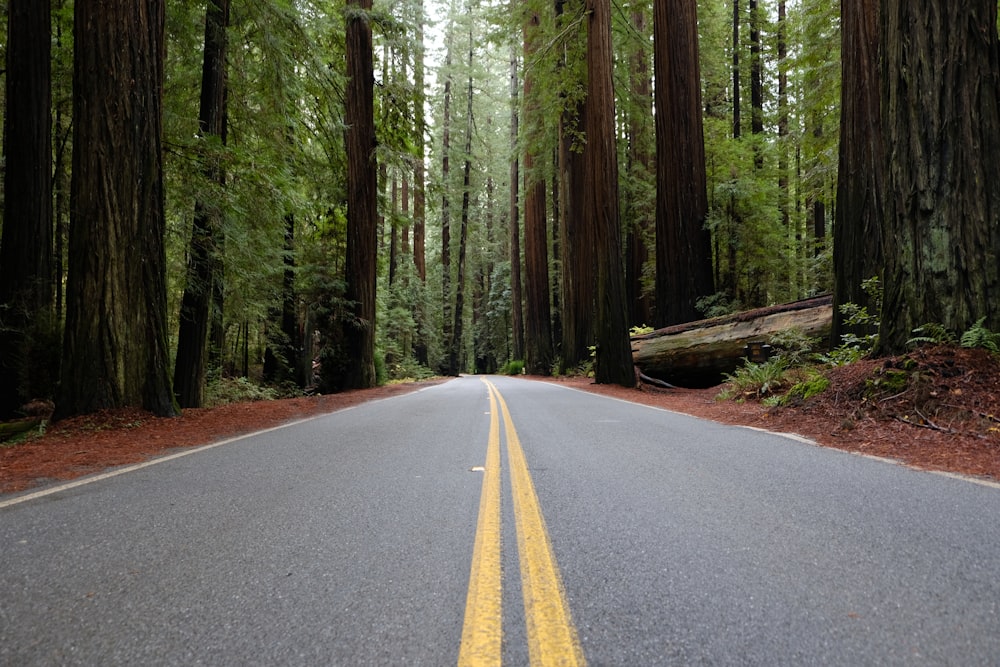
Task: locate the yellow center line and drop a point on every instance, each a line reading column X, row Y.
column 482, row 631
column 552, row 637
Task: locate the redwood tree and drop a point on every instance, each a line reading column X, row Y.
column 613, row 364
column 683, row 245
column 362, row 191
column 538, row 313
column 857, row 235
column 26, row 247
column 203, row 253
column 115, row 349
column 942, row 136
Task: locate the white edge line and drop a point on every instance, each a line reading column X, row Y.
column 796, row 438
column 90, row 479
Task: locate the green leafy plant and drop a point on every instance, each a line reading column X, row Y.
column 980, row 336
column 932, row 333
column 513, row 367
column 756, row 379
column 852, row 345
column 221, row 391
column 640, row 330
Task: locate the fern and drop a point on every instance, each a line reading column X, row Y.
column 932, row 333
column 980, row 336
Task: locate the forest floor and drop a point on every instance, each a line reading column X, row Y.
column 935, row 408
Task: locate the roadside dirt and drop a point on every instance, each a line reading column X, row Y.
column 937, row 408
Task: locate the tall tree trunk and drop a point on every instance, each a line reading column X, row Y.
column 784, row 193
column 537, row 324
column 683, row 245
column 455, row 361
column 857, row 234
column 942, row 134
column 756, row 86
column 362, row 191
column 578, row 271
column 613, row 364
column 517, row 320
column 737, row 120
column 419, row 186
column 115, row 351
column 446, row 200
column 203, row 252
column 26, row 285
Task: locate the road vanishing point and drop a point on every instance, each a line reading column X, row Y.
column 503, row 521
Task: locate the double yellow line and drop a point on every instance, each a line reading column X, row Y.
column 552, row 638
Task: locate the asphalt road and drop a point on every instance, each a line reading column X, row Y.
column 350, row 540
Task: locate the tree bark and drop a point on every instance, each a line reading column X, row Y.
column 455, row 361
column 203, row 252
column 517, row 318
column 613, row 363
column 26, row 248
column 942, row 136
column 362, row 191
column 115, row 350
column 857, row 234
column 698, row 354
column 683, row 245
column 537, row 323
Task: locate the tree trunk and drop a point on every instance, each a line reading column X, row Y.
column 698, row 354
column 517, row 319
column 613, row 363
column 537, row 324
column 203, row 252
column 446, row 200
column 756, row 86
column 115, row 350
column 683, row 245
column 362, row 191
column 942, row 135
column 737, row 120
column 857, row 234
column 578, row 271
column 455, row 361
column 26, row 248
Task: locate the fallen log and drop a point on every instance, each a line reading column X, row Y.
column 699, row 354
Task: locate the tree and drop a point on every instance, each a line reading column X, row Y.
column 857, row 235
column 517, row 320
column 362, row 191
column 537, row 321
column 115, row 349
column 613, row 364
column 942, row 134
column 204, row 253
column 26, row 246
column 683, row 245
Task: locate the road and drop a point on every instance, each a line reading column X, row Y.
column 406, row 532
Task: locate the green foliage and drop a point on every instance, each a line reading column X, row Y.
column 223, row 390
column 853, row 346
column 756, row 379
column 980, row 336
column 794, row 346
column 513, row 367
column 932, row 333
column 640, row 330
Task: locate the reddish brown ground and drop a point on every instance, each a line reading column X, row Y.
column 946, row 417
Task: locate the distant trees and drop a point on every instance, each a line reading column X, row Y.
column 115, row 352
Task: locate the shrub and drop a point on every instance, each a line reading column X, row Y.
column 514, row 367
